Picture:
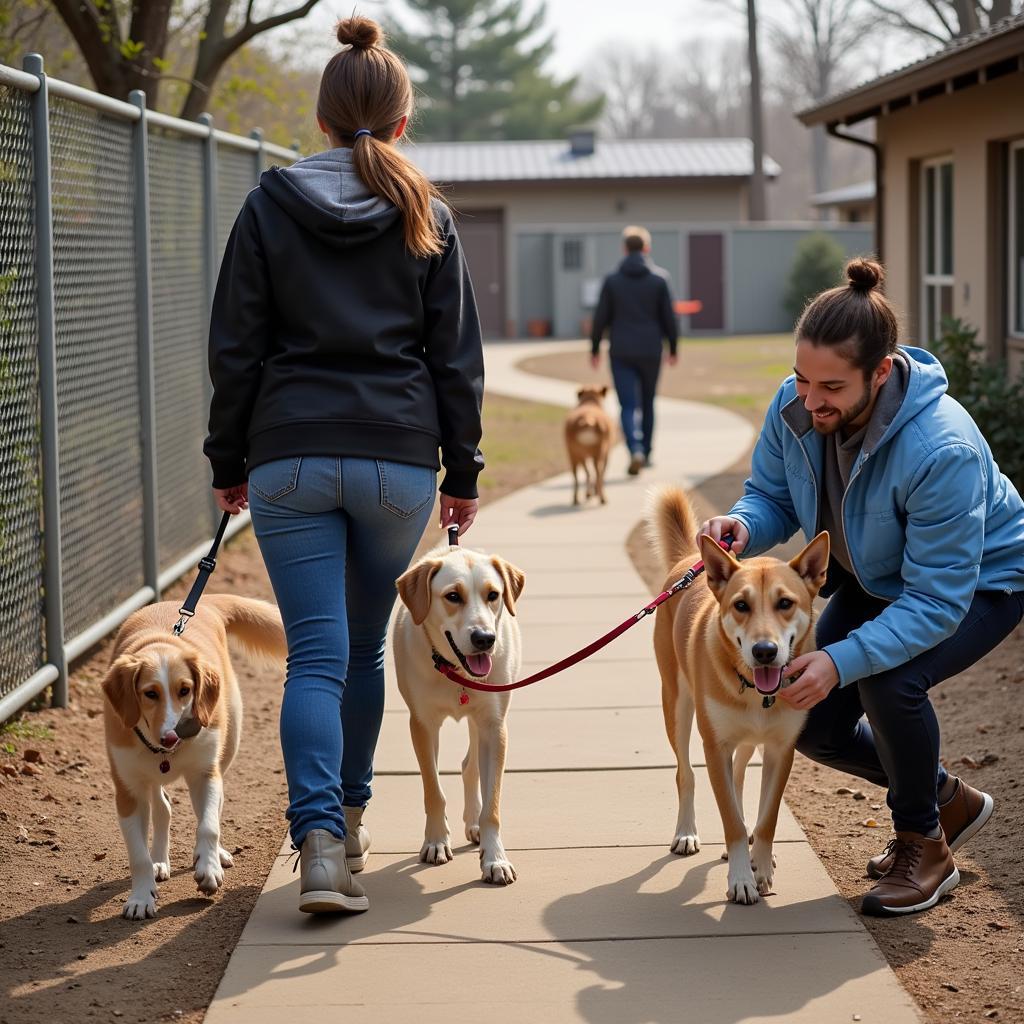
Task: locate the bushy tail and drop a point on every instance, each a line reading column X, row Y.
column 255, row 626
column 671, row 525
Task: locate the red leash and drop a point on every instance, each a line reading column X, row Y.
column 687, row 579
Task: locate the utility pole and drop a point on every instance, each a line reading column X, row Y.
column 758, row 206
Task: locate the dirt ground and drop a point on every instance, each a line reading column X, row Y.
column 963, row 960
column 66, row 955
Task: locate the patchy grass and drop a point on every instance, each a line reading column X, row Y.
column 22, row 729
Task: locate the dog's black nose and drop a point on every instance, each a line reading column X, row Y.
column 482, row 640
column 765, row 652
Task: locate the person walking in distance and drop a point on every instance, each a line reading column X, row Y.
column 636, row 304
column 345, row 351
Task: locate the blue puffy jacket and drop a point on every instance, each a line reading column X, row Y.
column 929, row 519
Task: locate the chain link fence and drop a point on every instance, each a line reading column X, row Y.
column 113, row 220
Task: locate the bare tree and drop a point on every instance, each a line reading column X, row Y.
column 634, row 90
column 943, row 20
column 124, row 42
column 812, row 40
column 758, row 203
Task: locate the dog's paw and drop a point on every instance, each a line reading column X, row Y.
column 140, row 905
column 439, row 852
column 473, row 834
column 208, row 873
column 497, row 871
column 226, row 860
column 743, row 889
column 764, row 863
column 161, row 871
column 686, row 845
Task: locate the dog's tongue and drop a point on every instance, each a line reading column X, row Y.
column 169, row 739
column 767, row 680
column 479, row 664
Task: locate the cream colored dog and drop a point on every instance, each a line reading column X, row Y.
column 461, row 604
column 174, row 711
column 722, row 646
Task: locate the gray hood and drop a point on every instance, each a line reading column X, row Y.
column 324, row 194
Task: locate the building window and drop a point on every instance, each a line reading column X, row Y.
column 936, row 247
column 572, row 254
column 1016, row 240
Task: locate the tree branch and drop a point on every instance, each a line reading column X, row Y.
column 900, row 20
column 255, row 28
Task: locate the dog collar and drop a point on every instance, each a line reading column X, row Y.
column 440, row 660
column 168, row 752
column 746, row 684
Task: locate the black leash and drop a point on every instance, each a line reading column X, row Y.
column 206, row 567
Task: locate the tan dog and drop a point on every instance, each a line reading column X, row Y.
column 588, row 438
column 722, row 646
column 174, row 710
column 462, row 604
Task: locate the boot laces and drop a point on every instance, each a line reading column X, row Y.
column 905, row 857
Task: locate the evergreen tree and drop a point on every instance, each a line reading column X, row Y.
column 477, row 69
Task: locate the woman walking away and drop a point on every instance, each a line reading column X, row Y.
column 345, row 350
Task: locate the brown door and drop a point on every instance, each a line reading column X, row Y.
column 482, row 233
column 707, row 281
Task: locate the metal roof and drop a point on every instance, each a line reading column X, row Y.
column 862, row 192
column 612, row 159
column 1004, row 39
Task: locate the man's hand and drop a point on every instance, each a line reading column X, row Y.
column 818, row 677
column 595, row 361
column 718, row 527
column 232, row 499
column 459, row 511
column 672, row 360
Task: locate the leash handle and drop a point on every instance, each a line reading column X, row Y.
column 686, row 580
column 453, row 535
column 207, row 564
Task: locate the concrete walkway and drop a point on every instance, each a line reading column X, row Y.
column 604, row 925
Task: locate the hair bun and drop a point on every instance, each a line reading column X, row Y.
column 864, row 274
column 359, row 33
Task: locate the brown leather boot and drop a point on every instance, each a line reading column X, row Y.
column 922, row 873
column 962, row 817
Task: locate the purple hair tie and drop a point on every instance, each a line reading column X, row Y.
column 362, row 131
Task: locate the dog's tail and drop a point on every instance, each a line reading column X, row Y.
column 671, row 525
column 254, row 626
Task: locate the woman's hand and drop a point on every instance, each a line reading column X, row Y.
column 718, row 527
column 232, row 499
column 818, row 677
column 458, row 511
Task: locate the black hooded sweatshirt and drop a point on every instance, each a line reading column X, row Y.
column 327, row 337
column 636, row 302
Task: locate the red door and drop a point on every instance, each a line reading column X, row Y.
column 482, row 233
column 707, row 281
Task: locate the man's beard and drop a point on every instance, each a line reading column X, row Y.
column 834, row 423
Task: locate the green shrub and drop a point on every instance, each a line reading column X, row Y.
column 986, row 390
column 818, row 264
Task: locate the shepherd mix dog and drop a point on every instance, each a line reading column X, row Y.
column 588, row 436
column 460, row 604
column 174, row 710
column 722, row 646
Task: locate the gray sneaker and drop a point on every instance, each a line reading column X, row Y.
column 327, row 886
column 357, row 842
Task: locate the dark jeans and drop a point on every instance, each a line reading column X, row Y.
column 635, row 383
column 898, row 745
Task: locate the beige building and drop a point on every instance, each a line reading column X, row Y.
column 949, row 142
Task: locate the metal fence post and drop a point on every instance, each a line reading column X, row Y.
column 147, row 358
column 211, row 253
column 257, row 134
column 53, row 595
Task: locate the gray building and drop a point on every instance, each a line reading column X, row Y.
column 541, row 223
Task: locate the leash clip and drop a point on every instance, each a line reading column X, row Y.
column 453, row 535
column 207, row 564
column 184, row 615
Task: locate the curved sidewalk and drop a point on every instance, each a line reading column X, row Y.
column 604, row 925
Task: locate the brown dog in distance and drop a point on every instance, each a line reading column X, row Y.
column 588, row 439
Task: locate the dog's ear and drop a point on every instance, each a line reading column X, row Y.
column 205, row 689
column 414, row 587
column 812, row 563
column 513, row 578
column 119, row 688
column 718, row 564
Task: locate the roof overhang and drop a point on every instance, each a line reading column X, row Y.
column 677, row 180
column 970, row 64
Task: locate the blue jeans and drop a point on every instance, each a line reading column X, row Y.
column 897, row 746
column 636, row 381
column 335, row 533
